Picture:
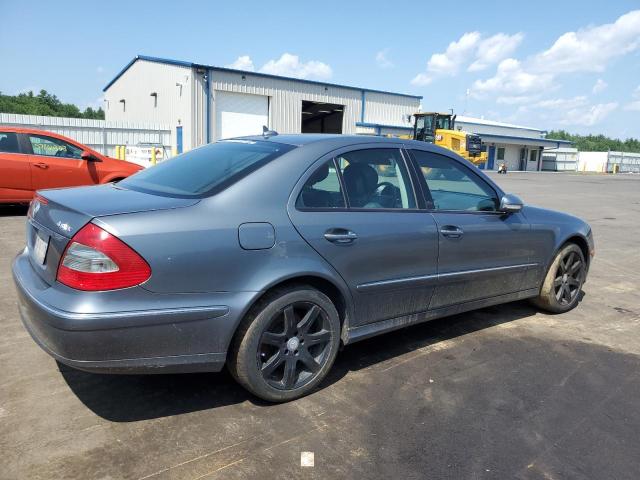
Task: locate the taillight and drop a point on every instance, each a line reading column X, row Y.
column 96, row 260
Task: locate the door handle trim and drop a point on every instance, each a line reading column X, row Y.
column 41, row 165
column 342, row 237
column 451, row 231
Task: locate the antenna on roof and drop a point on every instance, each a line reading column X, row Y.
column 266, row 133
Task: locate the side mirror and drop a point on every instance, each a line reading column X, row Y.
column 89, row 157
column 510, row 203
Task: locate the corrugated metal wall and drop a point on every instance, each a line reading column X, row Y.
column 100, row 135
column 560, row 160
column 628, row 162
column 285, row 99
column 387, row 109
column 181, row 100
column 286, row 96
column 175, row 89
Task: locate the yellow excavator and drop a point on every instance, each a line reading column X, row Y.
column 439, row 128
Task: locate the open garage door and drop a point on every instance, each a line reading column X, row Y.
column 239, row 114
column 320, row 117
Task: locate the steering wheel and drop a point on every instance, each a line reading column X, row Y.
column 382, row 185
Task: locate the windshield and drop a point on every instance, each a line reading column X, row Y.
column 205, row 170
column 443, row 122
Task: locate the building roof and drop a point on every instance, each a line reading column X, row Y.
column 544, row 142
column 181, row 63
column 492, row 123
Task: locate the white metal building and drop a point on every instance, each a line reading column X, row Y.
column 204, row 103
column 519, row 147
column 563, row 159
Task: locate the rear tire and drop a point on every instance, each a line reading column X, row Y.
column 562, row 285
column 287, row 344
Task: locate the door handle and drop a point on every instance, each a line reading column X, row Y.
column 41, row 165
column 340, row 236
column 451, row 231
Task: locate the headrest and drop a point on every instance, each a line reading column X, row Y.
column 360, row 178
column 319, row 175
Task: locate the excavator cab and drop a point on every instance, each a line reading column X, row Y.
column 426, row 124
column 440, row 129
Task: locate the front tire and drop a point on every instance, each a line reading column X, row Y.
column 562, row 285
column 287, row 344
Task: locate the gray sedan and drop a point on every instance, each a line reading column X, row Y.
column 267, row 253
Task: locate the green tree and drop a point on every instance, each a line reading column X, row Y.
column 45, row 103
column 597, row 143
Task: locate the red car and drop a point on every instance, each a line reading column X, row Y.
column 32, row 159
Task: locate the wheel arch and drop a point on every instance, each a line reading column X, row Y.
column 575, row 238
column 337, row 293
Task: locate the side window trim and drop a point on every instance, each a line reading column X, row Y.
column 345, row 197
column 25, row 144
column 423, row 197
column 467, row 169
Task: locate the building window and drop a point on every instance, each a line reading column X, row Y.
column 500, row 153
column 533, row 156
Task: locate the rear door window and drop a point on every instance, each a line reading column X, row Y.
column 322, row 189
column 205, row 170
column 9, row 142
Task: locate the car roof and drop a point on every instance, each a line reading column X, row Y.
column 23, row 130
column 300, row 139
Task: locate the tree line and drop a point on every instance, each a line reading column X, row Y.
column 597, row 143
column 47, row 104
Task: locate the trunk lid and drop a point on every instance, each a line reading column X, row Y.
column 55, row 216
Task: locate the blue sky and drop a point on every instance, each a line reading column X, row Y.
column 571, row 65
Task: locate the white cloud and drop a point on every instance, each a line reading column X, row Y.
column 562, row 103
column 382, row 59
column 588, row 115
column 494, row 49
column 448, row 63
column 516, row 99
column 290, row 65
column 287, row 65
column 590, row 49
column 100, row 69
column 470, row 47
column 634, row 105
column 421, row 80
column 511, row 79
column 243, row 62
column 599, row 86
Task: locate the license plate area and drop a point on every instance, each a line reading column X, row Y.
column 40, row 247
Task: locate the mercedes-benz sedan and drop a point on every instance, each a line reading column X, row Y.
column 266, row 254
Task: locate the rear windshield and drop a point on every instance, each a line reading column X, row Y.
column 205, row 170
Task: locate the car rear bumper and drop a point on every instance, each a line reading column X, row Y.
column 179, row 338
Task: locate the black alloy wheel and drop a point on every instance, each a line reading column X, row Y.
column 295, row 346
column 568, row 280
column 562, row 285
column 286, row 344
